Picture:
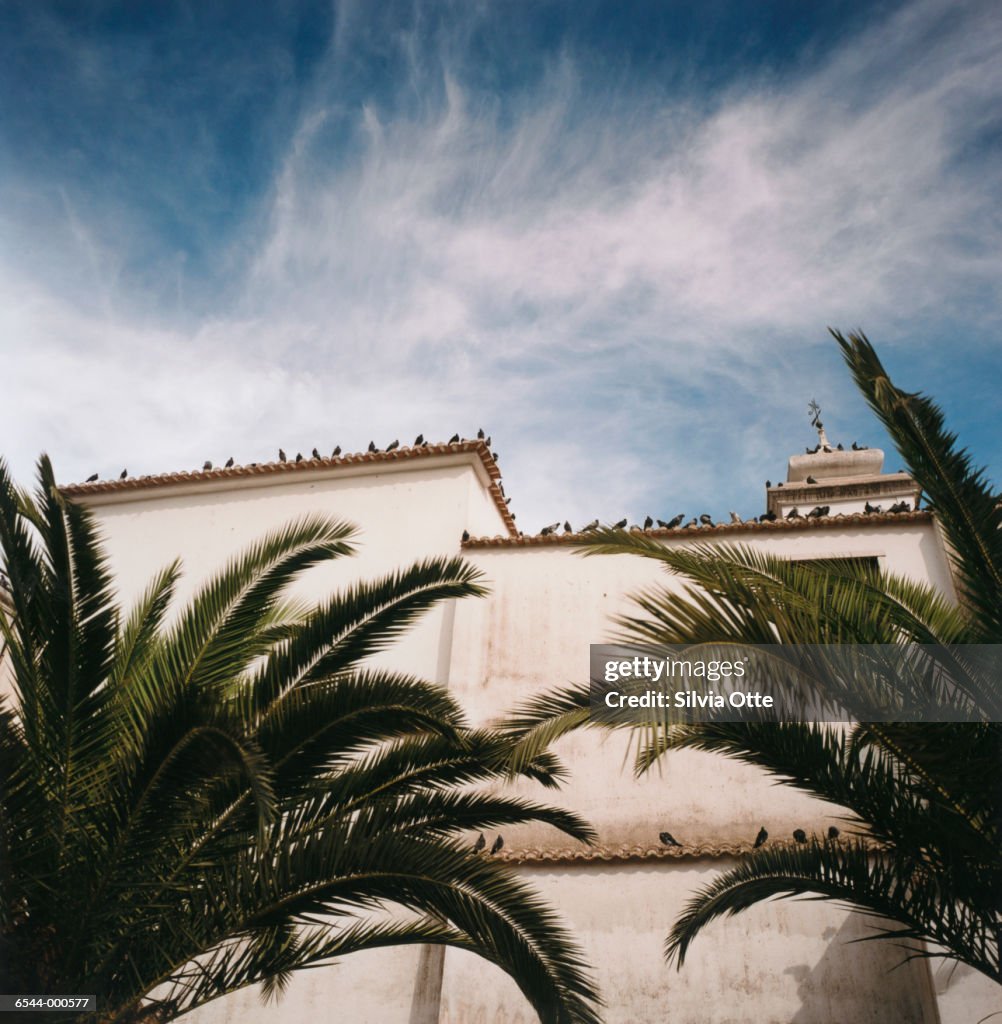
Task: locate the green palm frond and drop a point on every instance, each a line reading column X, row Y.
column 196, row 800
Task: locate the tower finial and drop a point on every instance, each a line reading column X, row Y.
column 815, row 413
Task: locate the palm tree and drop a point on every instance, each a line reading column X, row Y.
column 925, row 848
column 200, row 799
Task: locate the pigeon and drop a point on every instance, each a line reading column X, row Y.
column 567, row 526
column 480, row 434
column 498, row 844
column 811, row 480
column 495, row 456
column 507, row 501
column 706, row 520
column 648, row 523
column 780, row 484
column 674, row 524
column 229, row 463
column 206, row 465
column 487, row 441
column 793, row 514
column 827, row 449
column 768, row 483
column 92, row 478
column 760, row 838
column 418, row 441
column 454, row 439
column 123, row 474
column 621, row 525
column 871, row 509
column 372, row 446
column 466, row 535
column 593, row 525
column 808, row 451
column 799, row 835
column 547, row 530
column 479, row 844
column 859, row 447
column 336, row 452
column 393, row 445
column 839, row 447
column 281, row 455
column 692, row 523
column 832, row 832
column 668, row 839
column 299, row 456
column 735, row 518
column 315, row 454
column 767, row 517
column 818, row 512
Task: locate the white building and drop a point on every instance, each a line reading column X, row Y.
column 790, row 962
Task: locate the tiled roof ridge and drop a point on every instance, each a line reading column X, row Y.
column 403, row 453
column 570, row 854
column 703, row 532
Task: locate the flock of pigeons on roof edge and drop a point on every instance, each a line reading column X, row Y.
column 799, row 836
column 677, row 523
column 667, row 839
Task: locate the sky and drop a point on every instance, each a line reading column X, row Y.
column 613, row 234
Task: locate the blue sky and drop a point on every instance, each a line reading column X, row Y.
column 613, row 234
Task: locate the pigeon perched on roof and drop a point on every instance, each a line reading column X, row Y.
column 123, row 474
column 393, row 445
column 768, row 483
column 706, row 520
column 567, row 526
column 480, row 843
column 593, row 525
column 799, row 835
column 372, row 446
column 760, row 838
column 497, row 845
column 621, row 525
column 694, row 522
column 871, row 509
column 859, row 447
column 735, row 518
column 480, row 434
column 299, row 456
column 229, row 463
column 336, row 452
column 673, row 524
column 418, row 441
column 810, row 480
column 839, row 447
column 466, row 535
column 819, row 512
column 495, row 456
column 281, row 455
column 668, row 839
column 454, row 439
column 92, row 478
column 793, row 514
column 207, row 465
column 648, row 523
column 547, row 530
column 767, row 517
column 315, row 454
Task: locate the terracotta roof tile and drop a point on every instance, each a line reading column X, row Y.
column 571, row 854
column 719, row 529
column 430, row 451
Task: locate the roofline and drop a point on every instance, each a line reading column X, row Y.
column 719, row 529
column 164, row 481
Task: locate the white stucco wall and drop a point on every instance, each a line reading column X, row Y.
column 784, row 962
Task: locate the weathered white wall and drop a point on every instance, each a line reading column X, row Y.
column 787, row 962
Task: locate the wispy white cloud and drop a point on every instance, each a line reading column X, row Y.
column 607, row 287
